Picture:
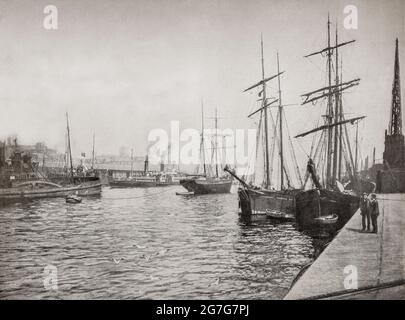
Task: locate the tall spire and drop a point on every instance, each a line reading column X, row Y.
column 394, row 151
column 395, row 126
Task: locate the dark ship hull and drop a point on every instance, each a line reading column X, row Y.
column 132, row 184
column 271, row 203
column 141, row 183
column 311, row 205
column 207, row 186
column 362, row 185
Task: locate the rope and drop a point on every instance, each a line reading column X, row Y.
column 295, row 162
column 286, row 171
column 319, row 68
column 249, row 165
column 273, row 146
column 258, row 135
column 364, row 289
column 323, row 154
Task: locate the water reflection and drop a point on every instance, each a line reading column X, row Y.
column 147, row 243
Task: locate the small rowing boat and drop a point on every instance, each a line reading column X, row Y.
column 73, row 199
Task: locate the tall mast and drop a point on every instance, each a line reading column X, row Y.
column 92, row 158
column 329, row 112
column 333, row 117
column 280, row 110
column 216, row 142
column 373, row 156
column 202, row 147
column 132, row 160
column 336, row 140
column 43, row 160
column 178, row 165
column 169, row 159
column 69, row 146
column 340, row 127
column 264, row 114
column 234, row 151
column 66, row 152
column 267, row 182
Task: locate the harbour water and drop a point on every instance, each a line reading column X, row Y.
column 147, row 244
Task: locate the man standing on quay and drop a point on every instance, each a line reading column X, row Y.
column 365, row 212
column 374, row 212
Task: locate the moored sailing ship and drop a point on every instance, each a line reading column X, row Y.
column 207, row 183
column 327, row 204
column 264, row 199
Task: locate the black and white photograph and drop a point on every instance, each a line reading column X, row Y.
column 213, row 150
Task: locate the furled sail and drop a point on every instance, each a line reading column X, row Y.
column 260, row 109
column 329, row 126
column 261, row 82
column 329, row 48
column 334, row 89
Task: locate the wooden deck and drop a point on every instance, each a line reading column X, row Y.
column 378, row 258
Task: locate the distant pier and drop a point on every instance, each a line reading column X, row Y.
column 378, row 259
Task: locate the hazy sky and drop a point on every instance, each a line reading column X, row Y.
column 122, row 68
